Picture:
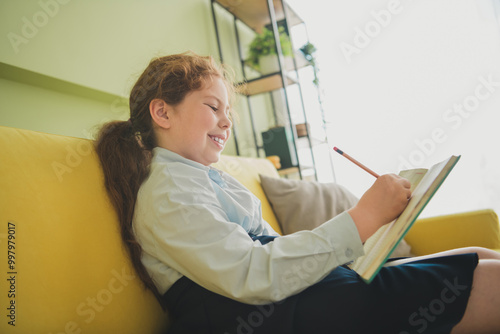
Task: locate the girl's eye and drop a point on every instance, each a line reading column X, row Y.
column 212, row 107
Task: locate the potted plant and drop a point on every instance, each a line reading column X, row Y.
column 262, row 50
column 308, row 51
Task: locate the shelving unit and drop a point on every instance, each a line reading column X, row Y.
column 254, row 13
column 249, row 18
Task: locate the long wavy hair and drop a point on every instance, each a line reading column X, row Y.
column 125, row 147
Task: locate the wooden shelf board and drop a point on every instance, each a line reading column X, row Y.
column 255, row 13
column 306, row 171
column 263, row 85
column 288, row 171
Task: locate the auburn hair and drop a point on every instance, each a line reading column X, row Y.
column 125, row 147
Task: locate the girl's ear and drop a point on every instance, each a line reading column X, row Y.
column 160, row 111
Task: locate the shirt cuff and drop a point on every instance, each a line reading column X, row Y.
column 343, row 237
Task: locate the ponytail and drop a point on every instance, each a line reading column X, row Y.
column 125, row 164
column 125, row 148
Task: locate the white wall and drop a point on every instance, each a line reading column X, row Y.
column 103, row 45
column 394, row 74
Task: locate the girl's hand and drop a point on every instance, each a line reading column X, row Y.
column 381, row 204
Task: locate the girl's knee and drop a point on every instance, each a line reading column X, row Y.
column 482, row 253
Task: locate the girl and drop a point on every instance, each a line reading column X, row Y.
column 198, row 241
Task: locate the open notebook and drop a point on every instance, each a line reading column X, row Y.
column 378, row 248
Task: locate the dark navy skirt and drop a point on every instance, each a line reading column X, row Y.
column 427, row 296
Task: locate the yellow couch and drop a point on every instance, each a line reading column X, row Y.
column 64, row 267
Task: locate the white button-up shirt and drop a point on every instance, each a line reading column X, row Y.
column 193, row 220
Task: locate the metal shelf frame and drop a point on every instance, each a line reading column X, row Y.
column 257, row 14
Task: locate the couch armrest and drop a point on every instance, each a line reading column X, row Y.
column 435, row 234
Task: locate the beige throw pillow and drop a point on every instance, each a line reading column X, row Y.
column 304, row 205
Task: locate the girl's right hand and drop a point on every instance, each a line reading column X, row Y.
column 381, row 204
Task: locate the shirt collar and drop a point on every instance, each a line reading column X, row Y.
column 163, row 155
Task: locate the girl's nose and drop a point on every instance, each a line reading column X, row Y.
column 225, row 122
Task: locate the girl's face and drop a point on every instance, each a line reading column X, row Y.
column 200, row 124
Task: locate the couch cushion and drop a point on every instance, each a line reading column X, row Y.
column 70, row 270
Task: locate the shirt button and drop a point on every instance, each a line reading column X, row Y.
column 348, row 252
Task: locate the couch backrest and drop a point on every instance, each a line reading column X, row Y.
column 67, row 269
column 70, row 272
column 247, row 170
